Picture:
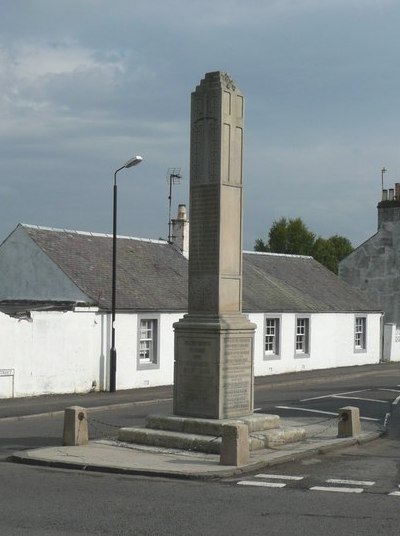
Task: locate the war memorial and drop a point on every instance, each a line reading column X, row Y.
column 213, row 374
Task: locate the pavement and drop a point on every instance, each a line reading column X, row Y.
column 113, row 456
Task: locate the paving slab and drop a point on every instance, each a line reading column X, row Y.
column 125, row 458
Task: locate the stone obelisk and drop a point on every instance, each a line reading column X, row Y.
column 213, row 375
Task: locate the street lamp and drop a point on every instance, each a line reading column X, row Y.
column 113, row 352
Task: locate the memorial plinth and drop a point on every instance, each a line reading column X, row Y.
column 213, row 375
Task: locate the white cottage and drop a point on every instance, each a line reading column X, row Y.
column 55, row 301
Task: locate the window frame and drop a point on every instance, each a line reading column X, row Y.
column 275, row 353
column 362, row 347
column 299, row 354
column 154, row 361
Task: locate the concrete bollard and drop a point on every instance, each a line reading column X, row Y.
column 75, row 427
column 235, row 444
column 349, row 422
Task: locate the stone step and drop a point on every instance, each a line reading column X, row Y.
column 276, row 438
column 210, row 444
column 173, row 440
column 256, row 422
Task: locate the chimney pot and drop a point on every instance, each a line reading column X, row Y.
column 182, row 216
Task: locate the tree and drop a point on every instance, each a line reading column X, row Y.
column 293, row 236
column 324, row 252
column 288, row 236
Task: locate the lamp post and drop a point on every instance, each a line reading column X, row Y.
column 113, row 352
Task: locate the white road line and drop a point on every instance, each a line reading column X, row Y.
column 282, row 477
column 396, row 401
column 333, row 394
column 395, row 493
column 390, row 390
column 339, row 490
column 351, row 482
column 261, row 484
column 360, row 398
column 259, row 409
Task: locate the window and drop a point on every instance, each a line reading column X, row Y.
column 271, row 337
column 148, row 342
column 302, row 335
column 360, row 333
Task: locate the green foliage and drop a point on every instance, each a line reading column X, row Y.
column 324, row 252
column 260, row 245
column 292, row 236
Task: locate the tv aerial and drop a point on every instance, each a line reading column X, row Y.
column 173, row 177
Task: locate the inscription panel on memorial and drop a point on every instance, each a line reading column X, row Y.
column 204, row 232
column 237, row 376
column 231, row 230
column 196, row 376
column 203, row 294
column 205, row 148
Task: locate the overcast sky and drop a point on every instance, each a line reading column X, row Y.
column 87, row 84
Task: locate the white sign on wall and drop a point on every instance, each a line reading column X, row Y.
column 5, row 372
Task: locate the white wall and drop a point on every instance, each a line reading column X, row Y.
column 391, row 350
column 53, row 352
column 66, row 352
column 331, row 344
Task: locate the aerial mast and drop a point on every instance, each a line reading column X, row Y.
column 173, row 177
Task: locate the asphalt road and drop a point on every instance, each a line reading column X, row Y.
column 44, row 501
column 41, row 502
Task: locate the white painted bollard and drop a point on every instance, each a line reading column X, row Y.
column 349, row 422
column 235, row 444
column 75, row 427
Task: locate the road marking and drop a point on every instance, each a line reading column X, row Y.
column 395, row 493
column 360, row 398
column 390, row 390
column 353, row 482
column 396, row 401
column 339, row 490
column 261, row 484
column 282, row 477
column 333, row 394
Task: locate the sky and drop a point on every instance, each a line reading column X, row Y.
column 87, row 84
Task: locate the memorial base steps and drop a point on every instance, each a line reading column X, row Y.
column 204, row 435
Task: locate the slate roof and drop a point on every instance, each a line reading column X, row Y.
column 152, row 275
column 294, row 283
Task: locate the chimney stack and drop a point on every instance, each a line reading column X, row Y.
column 180, row 231
column 389, row 207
